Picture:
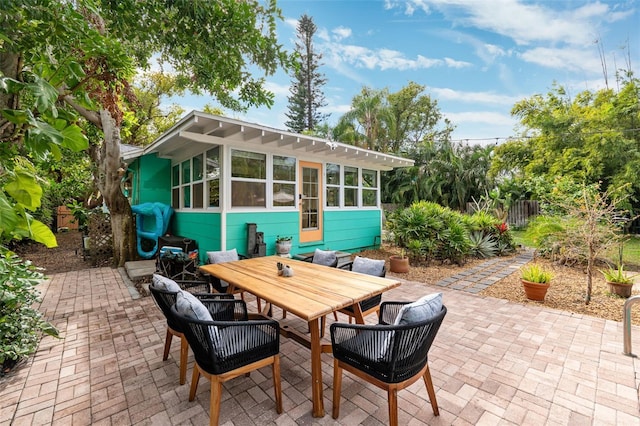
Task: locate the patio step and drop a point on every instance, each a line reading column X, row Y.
column 139, row 270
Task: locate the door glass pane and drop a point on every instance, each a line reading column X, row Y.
column 310, row 198
column 310, row 214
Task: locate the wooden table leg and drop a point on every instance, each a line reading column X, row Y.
column 316, row 369
column 357, row 313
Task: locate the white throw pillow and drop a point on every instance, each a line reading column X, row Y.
column 161, row 282
column 222, row 256
column 368, row 266
column 422, row 309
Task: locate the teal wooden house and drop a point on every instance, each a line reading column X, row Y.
column 220, row 174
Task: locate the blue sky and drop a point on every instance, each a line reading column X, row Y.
column 477, row 58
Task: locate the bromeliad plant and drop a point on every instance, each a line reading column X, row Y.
column 535, row 273
column 21, row 326
column 618, row 275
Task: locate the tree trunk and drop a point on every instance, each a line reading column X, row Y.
column 10, row 66
column 108, row 178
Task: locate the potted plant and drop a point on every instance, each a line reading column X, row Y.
column 619, row 282
column 283, row 245
column 399, row 263
column 535, row 281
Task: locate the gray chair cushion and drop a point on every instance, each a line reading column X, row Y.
column 324, row 257
column 222, row 256
column 190, row 306
column 368, row 266
column 422, row 309
column 161, row 282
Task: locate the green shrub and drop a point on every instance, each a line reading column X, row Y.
column 445, row 234
column 21, row 326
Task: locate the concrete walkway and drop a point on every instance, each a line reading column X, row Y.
column 493, row 363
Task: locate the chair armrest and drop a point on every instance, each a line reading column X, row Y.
column 347, row 266
column 369, row 343
column 389, row 311
column 242, row 339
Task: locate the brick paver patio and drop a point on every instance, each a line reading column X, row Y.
column 493, row 363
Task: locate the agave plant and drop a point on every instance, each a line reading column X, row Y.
column 482, row 245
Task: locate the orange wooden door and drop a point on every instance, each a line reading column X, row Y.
column 310, row 201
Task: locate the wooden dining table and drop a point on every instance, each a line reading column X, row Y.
column 313, row 292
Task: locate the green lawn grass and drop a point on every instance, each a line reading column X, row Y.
column 630, row 253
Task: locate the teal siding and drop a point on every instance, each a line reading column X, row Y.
column 345, row 230
column 271, row 224
column 154, row 180
column 351, row 230
column 204, row 228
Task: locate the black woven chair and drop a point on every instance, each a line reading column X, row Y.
column 218, row 284
column 166, row 299
column 391, row 357
column 224, row 350
column 367, row 306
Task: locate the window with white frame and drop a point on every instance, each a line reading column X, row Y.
column 369, row 188
column 185, row 173
column 195, row 180
column 212, row 161
column 332, row 179
column 248, row 179
column 284, row 181
column 351, row 183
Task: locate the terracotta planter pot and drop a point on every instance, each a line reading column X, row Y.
column 398, row 264
column 622, row 290
column 535, row 291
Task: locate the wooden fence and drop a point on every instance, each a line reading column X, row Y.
column 519, row 212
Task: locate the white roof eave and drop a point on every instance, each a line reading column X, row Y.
column 202, row 128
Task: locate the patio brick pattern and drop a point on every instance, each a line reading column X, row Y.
column 493, row 362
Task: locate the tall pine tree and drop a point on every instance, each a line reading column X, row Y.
column 306, row 95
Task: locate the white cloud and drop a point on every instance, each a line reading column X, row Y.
column 452, row 63
column 486, row 117
column 585, row 60
column 490, row 98
column 384, row 59
column 525, row 23
column 341, row 33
